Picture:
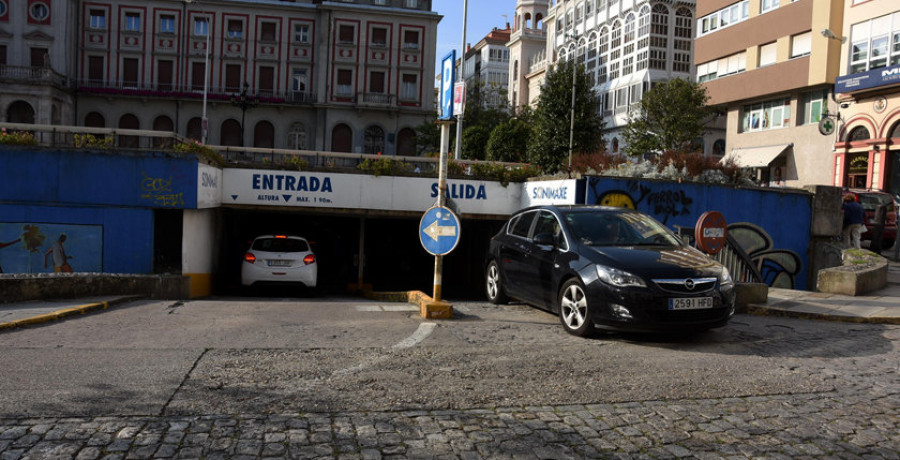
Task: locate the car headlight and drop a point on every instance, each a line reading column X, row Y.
column 618, row 278
column 726, row 278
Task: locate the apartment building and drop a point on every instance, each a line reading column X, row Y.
column 771, row 66
column 488, row 63
column 349, row 76
column 626, row 46
column 867, row 135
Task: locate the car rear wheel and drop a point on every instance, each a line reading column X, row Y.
column 573, row 309
column 493, row 285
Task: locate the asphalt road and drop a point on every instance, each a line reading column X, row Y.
column 237, row 357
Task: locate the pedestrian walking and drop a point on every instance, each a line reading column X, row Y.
column 854, row 221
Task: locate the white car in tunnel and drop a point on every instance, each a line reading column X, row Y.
column 277, row 259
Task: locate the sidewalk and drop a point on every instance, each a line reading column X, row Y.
column 18, row 314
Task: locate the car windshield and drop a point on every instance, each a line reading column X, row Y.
column 614, row 228
column 870, row 201
column 280, row 245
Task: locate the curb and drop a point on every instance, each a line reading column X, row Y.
column 60, row 314
column 768, row 311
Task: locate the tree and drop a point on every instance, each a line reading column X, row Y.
column 669, row 118
column 428, row 138
column 482, row 114
column 549, row 148
column 509, row 141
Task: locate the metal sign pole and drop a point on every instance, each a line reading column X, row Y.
column 442, row 199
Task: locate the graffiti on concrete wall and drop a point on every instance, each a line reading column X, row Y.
column 778, row 267
column 27, row 247
column 662, row 204
column 159, row 192
column 681, row 205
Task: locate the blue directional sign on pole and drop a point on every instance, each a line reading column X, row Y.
column 448, row 78
column 439, row 231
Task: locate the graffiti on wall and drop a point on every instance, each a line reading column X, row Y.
column 662, row 203
column 777, row 267
column 27, row 247
column 159, row 192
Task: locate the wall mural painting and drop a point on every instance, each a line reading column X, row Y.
column 778, row 267
column 48, row 248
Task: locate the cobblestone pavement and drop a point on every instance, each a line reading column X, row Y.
column 797, row 426
column 850, row 411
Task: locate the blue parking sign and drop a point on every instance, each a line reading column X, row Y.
column 439, row 231
column 448, row 78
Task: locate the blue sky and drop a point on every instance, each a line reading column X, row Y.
column 483, row 16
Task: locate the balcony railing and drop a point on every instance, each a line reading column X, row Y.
column 112, row 140
column 169, row 91
column 33, row 75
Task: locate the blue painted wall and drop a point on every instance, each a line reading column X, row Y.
column 114, row 191
column 127, row 234
column 96, row 178
column 773, row 225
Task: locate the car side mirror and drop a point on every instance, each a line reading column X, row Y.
column 544, row 239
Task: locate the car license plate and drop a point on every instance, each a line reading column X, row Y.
column 279, row 263
column 690, row 303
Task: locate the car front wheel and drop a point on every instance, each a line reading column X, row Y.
column 493, row 285
column 573, row 309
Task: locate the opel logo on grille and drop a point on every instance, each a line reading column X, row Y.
column 689, row 284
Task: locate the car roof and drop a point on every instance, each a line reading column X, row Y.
column 577, row 208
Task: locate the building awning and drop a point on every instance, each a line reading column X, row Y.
column 756, row 157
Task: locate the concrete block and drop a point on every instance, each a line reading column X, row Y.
column 827, row 219
column 746, row 294
column 862, row 272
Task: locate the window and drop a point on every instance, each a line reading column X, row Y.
column 201, row 27
column 301, row 33
column 411, row 39
column 629, row 28
column 98, row 19
column 198, row 76
column 266, row 80
column 130, row 72
column 299, row 80
column 768, row 5
column 346, row 34
column 167, row 24
column 165, row 72
column 95, row 69
column 232, row 78
column 39, row 11
column 379, row 36
column 801, row 45
column 411, row 3
column 875, row 43
column 132, row 22
column 409, row 89
column 235, row 28
column 814, row 105
column 376, row 82
column 344, row 82
column 707, row 71
column 522, row 225
column 683, row 23
column 767, row 115
column 767, row 54
column 40, row 57
column 726, row 17
column 267, row 32
column 682, row 63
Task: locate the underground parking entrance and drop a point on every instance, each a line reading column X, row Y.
column 386, row 242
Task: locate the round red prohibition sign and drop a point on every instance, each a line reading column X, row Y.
column 711, row 231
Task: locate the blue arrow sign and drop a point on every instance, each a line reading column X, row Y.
column 439, row 231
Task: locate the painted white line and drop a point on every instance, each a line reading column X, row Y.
column 421, row 333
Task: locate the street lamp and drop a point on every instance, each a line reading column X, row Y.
column 574, row 60
column 245, row 102
column 204, row 122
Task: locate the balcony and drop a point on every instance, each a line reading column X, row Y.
column 33, row 76
column 376, row 98
column 170, row 91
